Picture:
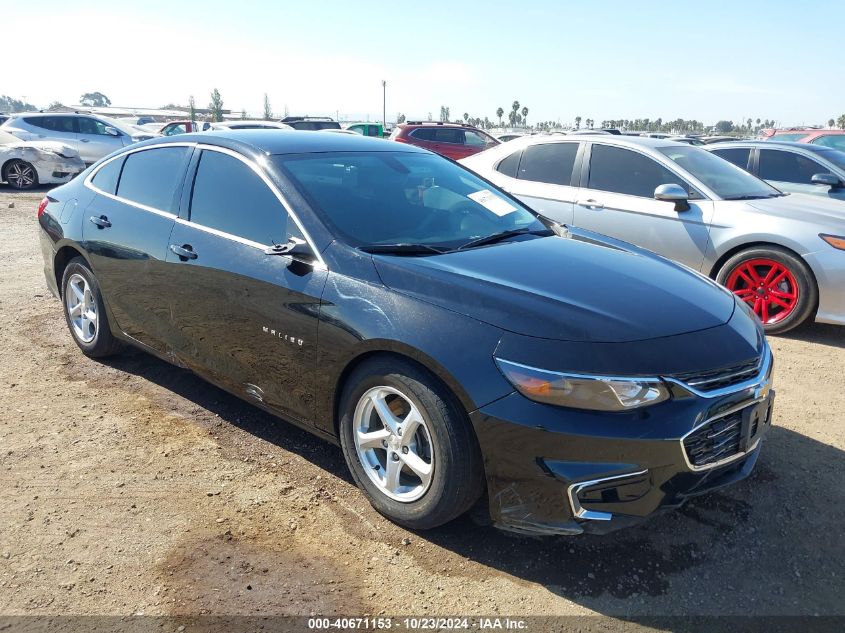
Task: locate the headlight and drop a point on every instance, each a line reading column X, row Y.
column 597, row 393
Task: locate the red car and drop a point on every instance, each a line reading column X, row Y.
column 451, row 140
column 827, row 138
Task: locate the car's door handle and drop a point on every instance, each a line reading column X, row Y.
column 590, row 204
column 85, row 140
column 102, row 222
column 185, row 252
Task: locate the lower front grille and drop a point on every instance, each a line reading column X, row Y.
column 715, row 441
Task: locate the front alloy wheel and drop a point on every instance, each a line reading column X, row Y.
column 775, row 283
column 394, row 444
column 21, row 175
column 408, row 443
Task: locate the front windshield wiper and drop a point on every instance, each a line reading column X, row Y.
column 503, row 235
column 754, row 197
column 402, row 249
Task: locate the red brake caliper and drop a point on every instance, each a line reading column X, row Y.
column 767, row 286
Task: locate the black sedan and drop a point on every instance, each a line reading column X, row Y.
column 451, row 340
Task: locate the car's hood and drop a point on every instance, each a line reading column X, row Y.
column 49, row 146
column 802, row 206
column 564, row 289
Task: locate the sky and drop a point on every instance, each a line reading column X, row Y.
column 599, row 59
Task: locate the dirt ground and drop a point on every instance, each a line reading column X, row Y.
column 131, row 486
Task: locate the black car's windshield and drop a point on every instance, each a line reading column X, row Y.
column 726, row 180
column 403, row 198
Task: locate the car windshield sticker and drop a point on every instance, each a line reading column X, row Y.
column 492, row 202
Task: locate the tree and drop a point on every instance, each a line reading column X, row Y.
column 830, row 122
column 95, row 100
column 525, row 115
column 578, row 123
column 841, row 121
column 723, row 127
column 514, row 112
column 400, row 118
column 56, row 105
column 216, row 105
column 8, row 104
column 192, row 106
column 444, row 114
column 268, row 111
column 466, row 117
column 243, row 114
column 499, row 112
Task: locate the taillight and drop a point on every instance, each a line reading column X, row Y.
column 42, row 207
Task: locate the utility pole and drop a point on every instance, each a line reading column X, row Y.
column 383, row 104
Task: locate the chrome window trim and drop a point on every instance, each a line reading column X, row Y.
column 582, row 513
column 88, row 182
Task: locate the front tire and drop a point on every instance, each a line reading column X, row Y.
column 408, row 444
column 20, row 175
column 775, row 283
column 85, row 312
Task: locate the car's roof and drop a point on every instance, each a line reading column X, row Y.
column 435, row 124
column 759, row 143
column 277, row 141
column 608, row 139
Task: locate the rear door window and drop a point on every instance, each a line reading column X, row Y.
column 623, row 171
column 448, row 135
column 230, row 197
column 785, row 166
column 510, row 164
column 153, row 177
column 736, row 155
column 550, row 163
column 107, row 176
column 423, row 133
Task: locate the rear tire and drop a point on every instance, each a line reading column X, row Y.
column 440, row 443
column 775, row 283
column 20, row 175
column 85, row 312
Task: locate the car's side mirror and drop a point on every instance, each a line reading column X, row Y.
column 294, row 247
column 673, row 193
column 111, row 131
column 831, row 180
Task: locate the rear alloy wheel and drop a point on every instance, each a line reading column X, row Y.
column 21, row 175
column 775, row 284
column 408, row 444
column 85, row 312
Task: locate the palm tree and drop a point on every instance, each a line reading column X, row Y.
column 499, row 112
column 841, row 121
column 525, row 116
column 830, row 122
column 466, row 116
column 514, row 111
column 578, row 123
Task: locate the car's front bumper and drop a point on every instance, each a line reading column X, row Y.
column 561, row 471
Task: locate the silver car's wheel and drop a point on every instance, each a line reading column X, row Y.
column 81, row 308
column 393, row 444
column 21, row 175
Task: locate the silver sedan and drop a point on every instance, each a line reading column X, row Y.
column 784, row 254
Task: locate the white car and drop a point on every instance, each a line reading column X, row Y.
column 27, row 164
